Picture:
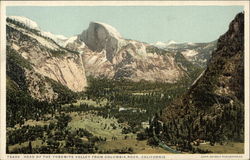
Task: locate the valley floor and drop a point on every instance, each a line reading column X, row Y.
column 106, row 119
column 100, row 127
column 111, row 130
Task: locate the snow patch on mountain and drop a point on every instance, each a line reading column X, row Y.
column 70, row 40
column 40, row 39
column 59, row 39
column 171, row 42
column 160, row 44
column 75, row 44
column 44, row 42
column 189, row 53
column 26, row 21
column 163, row 45
column 54, row 36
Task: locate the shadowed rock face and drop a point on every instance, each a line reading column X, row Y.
column 208, row 110
column 100, row 37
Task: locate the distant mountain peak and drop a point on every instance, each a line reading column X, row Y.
column 171, row 42
column 162, row 45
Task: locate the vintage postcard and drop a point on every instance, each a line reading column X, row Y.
column 124, row 80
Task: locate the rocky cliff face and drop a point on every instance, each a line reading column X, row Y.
column 47, row 60
column 100, row 36
column 213, row 108
column 107, row 54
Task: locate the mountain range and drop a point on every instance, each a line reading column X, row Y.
column 99, row 51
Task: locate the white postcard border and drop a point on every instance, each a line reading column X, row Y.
column 4, row 4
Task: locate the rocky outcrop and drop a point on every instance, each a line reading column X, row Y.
column 47, row 58
column 38, row 87
column 135, row 63
column 100, row 36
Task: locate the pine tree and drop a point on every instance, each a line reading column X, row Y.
column 30, row 147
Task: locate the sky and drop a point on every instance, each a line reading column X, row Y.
column 144, row 23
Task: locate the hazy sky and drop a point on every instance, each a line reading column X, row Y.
column 147, row 24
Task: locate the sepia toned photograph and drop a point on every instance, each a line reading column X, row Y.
column 125, row 79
